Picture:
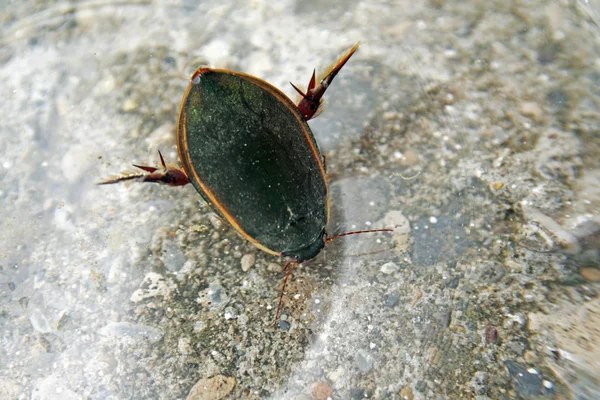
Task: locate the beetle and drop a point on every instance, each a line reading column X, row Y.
column 249, row 152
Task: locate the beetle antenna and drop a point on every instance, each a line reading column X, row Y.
column 289, row 267
column 356, row 232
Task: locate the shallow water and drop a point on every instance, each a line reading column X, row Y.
column 470, row 127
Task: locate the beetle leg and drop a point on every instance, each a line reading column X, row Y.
column 310, row 103
column 171, row 175
column 289, row 267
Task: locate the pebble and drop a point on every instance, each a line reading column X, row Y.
column 322, row 391
column 172, row 257
column 274, row 267
column 184, row 346
column 199, row 326
column 392, row 300
column 129, row 105
column 406, row 393
column 214, row 296
column 363, row 360
column 532, row 110
column 388, row 268
column 215, row 221
column 230, row 313
column 491, row 334
column 590, row 274
column 284, row 325
column 247, row 262
column 215, row 388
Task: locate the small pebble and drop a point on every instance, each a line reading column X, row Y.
column 388, row 268
column 215, row 221
column 247, row 262
column 363, row 360
column 284, row 325
column 491, row 334
column 406, row 393
column 532, row 110
column 274, row 267
column 322, row 391
column 184, row 346
column 590, row 274
column 129, row 105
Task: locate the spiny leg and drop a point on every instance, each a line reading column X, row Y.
column 171, row 175
column 289, row 267
column 311, row 102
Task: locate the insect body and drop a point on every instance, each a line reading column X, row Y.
column 249, row 152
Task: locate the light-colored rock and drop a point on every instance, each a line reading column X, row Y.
column 247, row 261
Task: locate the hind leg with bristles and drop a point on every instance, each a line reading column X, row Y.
column 168, row 174
column 310, row 104
column 289, row 267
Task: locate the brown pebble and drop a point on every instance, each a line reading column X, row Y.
column 590, row 274
column 491, row 334
column 406, row 393
column 322, row 391
column 498, row 185
column 215, row 388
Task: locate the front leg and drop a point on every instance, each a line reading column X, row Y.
column 310, row 103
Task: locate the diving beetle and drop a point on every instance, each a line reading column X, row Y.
column 249, row 152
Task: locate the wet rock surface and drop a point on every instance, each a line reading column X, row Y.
column 470, row 128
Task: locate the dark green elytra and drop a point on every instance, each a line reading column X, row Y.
column 251, row 155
